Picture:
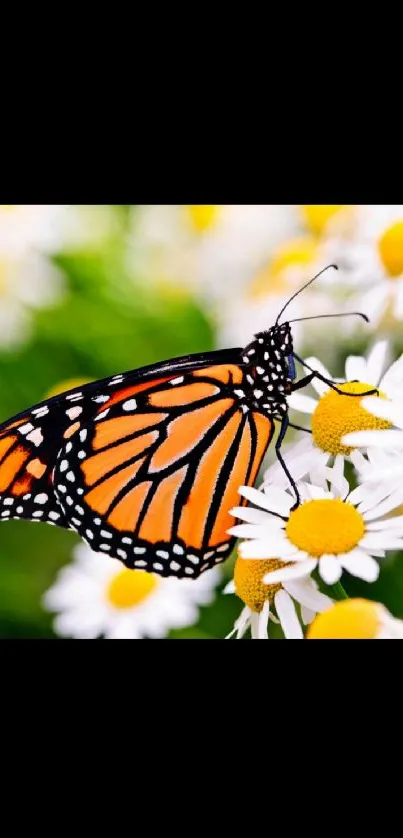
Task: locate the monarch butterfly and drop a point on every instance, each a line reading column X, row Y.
column 146, row 465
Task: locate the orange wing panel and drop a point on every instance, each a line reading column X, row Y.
column 177, row 396
column 194, row 516
column 122, row 395
column 186, row 431
column 157, row 524
column 100, row 498
column 100, row 464
column 111, row 430
column 5, row 444
column 230, row 496
column 11, row 466
column 126, row 513
column 223, row 372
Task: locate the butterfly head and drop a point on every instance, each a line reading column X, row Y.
column 270, row 368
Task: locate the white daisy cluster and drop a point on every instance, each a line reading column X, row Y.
column 291, row 558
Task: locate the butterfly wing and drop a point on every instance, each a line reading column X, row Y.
column 151, row 479
column 31, row 441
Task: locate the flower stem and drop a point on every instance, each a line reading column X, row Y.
column 335, row 591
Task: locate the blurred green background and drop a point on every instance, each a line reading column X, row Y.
column 86, row 292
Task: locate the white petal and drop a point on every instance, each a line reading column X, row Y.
column 389, row 524
column 398, row 308
column 384, row 409
column 376, row 362
column 373, row 495
column 383, row 540
column 338, row 483
column 267, row 548
column 242, row 624
column 287, row 615
column 360, row 564
column 302, row 403
column 273, row 500
column 292, row 572
column 305, row 592
column 330, row 569
column 392, row 381
column 307, row 615
column 318, row 385
column 381, row 439
column 250, row 515
column 356, row 369
column 394, row 500
column 263, row 621
column 358, row 460
column 229, row 588
column 258, row 531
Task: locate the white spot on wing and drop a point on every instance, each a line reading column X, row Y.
column 42, row 498
column 73, row 412
column 36, row 437
column 131, row 404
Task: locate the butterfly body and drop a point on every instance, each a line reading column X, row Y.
column 146, row 465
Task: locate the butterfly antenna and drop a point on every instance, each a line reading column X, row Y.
column 300, row 290
column 342, row 314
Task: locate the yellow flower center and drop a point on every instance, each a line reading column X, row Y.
column 67, row 384
column 316, row 216
column 325, row 526
column 336, row 415
column 248, row 575
column 130, row 587
column 297, row 252
column 202, row 216
column 351, row 619
column 391, row 249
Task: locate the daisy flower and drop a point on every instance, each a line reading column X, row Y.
column 261, row 600
column 356, row 619
column 94, row 596
column 335, row 415
column 324, row 532
column 373, row 258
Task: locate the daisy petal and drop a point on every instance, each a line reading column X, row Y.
column 394, row 500
column 307, row 615
column 392, row 381
column 304, row 404
column 356, row 369
column 229, row 588
column 381, row 439
column 384, row 409
column 294, row 572
column 391, row 523
column 317, row 384
column 263, row 621
column 266, row 548
column 398, row 309
column 274, row 500
column 305, row 592
column 249, row 515
column 329, row 569
column 360, row 564
column 287, row 615
column 376, row 362
column 258, row 531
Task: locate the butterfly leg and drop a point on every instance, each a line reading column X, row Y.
column 283, row 429
column 299, row 428
column 315, row 374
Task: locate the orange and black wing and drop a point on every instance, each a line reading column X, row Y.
column 151, row 478
column 31, row 441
